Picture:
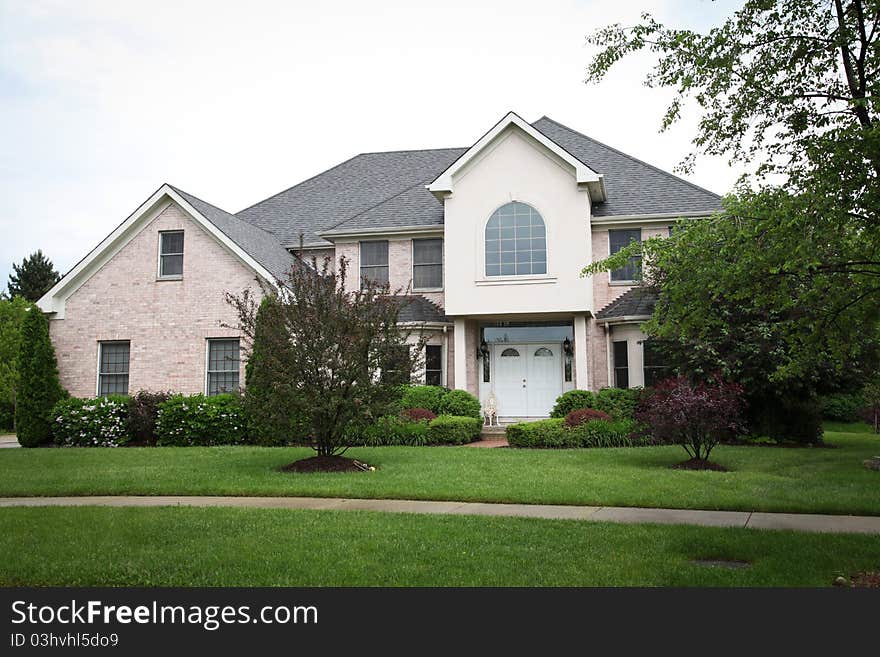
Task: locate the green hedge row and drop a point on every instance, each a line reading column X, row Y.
column 619, row 403
column 555, row 433
column 439, row 400
column 179, row 420
column 396, row 430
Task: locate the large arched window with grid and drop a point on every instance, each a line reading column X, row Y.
column 516, row 241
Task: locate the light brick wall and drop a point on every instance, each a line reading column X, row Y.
column 603, row 294
column 167, row 322
column 399, row 267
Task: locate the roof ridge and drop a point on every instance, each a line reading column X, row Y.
column 414, row 150
column 372, row 207
column 301, row 182
column 630, row 157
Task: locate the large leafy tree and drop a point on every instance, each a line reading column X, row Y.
column 328, row 358
column 783, row 286
column 33, row 277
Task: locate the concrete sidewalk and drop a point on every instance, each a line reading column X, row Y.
column 796, row 521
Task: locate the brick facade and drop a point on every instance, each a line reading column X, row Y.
column 167, row 321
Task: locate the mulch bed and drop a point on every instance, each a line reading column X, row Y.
column 327, row 464
column 698, row 464
column 861, row 580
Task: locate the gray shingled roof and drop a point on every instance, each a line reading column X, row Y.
column 417, row 308
column 355, row 187
column 261, row 245
column 637, row 302
column 386, row 190
column 633, row 186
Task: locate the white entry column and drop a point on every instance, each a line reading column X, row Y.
column 582, row 381
column 460, row 356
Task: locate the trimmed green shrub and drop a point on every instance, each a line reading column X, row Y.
column 619, row 403
column 602, row 433
column 422, row 397
column 582, row 415
column 572, row 401
column 143, row 409
column 201, row 420
column 785, row 418
column 99, row 422
column 461, row 403
column 842, row 406
column 39, row 388
column 454, row 430
column 553, row 433
column 541, row 433
column 393, row 430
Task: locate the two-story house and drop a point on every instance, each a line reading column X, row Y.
column 490, row 239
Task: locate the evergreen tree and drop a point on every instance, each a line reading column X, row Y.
column 33, row 277
column 39, row 387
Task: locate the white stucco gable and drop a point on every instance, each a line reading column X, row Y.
column 584, row 176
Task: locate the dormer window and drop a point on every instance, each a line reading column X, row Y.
column 171, row 254
column 516, row 241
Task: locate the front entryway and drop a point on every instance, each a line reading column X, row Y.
column 527, row 378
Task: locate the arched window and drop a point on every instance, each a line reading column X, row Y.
column 516, row 242
column 510, row 352
column 543, row 352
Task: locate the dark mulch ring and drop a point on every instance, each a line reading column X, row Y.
column 860, row 580
column 699, row 464
column 327, row 464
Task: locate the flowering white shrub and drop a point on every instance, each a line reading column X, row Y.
column 100, row 422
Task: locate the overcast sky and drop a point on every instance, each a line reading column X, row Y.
column 234, row 101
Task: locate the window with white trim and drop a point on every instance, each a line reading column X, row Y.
column 113, row 367
column 617, row 240
column 433, row 365
column 374, row 261
column 171, row 254
column 516, row 241
column 427, row 264
column 223, row 362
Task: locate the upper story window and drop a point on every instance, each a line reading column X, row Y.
column 113, row 368
column 427, row 264
column 171, row 254
column 516, row 241
column 374, row 261
column 617, row 239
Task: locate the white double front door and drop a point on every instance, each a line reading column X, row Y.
column 527, row 378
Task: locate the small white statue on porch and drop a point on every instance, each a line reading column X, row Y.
column 490, row 410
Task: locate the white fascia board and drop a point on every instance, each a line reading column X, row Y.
column 54, row 300
column 661, row 217
column 624, row 319
column 442, row 185
column 372, row 233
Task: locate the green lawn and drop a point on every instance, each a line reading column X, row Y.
column 761, row 478
column 179, row 546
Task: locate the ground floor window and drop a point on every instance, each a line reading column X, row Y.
column 654, row 366
column 113, row 368
column 433, row 365
column 223, row 361
column 621, row 365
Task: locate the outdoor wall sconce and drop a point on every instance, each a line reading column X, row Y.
column 566, row 347
column 483, row 351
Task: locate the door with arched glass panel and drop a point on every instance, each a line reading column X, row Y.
column 527, row 378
